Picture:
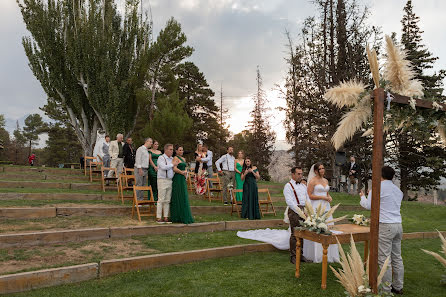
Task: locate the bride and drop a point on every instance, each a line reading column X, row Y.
column 318, row 192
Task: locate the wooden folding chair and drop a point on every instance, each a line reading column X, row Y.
column 137, row 203
column 114, row 178
column 234, row 203
column 215, row 188
column 127, row 175
column 87, row 161
column 95, row 170
column 266, row 203
column 190, row 181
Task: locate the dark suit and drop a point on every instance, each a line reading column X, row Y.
column 354, row 168
column 129, row 155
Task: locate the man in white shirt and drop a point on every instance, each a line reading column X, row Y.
column 142, row 166
column 390, row 230
column 296, row 195
column 208, row 161
column 225, row 168
column 164, row 181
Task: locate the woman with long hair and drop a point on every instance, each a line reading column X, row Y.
column 250, row 201
column 154, row 154
column 239, row 162
column 318, row 191
column 179, row 206
column 200, row 170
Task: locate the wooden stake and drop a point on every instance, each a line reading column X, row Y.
column 377, row 163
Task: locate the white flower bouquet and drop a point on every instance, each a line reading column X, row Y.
column 360, row 220
column 317, row 220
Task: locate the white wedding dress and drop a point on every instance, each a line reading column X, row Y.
column 280, row 239
column 100, row 139
column 313, row 251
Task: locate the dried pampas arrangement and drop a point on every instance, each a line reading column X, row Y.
column 436, row 255
column 352, row 276
column 346, row 94
column 398, row 71
column 374, row 66
column 352, row 122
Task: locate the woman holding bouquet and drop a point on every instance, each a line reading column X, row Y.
column 318, row 188
column 179, row 206
column 200, row 170
column 250, row 203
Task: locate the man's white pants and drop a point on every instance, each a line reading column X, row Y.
column 164, row 196
column 117, row 163
column 389, row 245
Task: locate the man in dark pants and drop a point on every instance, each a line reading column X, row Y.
column 129, row 153
column 296, row 195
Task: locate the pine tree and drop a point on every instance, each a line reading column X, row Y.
column 420, row 159
column 61, row 146
column 34, row 126
column 263, row 138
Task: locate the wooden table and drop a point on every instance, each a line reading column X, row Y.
column 359, row 233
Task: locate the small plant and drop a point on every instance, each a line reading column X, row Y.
column 353, row 277
column 360, row 220
column 316, row 220
column 438, row 256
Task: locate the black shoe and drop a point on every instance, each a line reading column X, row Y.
column 397, row 292
column 226, row 203
column 293, row 260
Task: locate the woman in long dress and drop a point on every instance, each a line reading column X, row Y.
column 200, row 171
column 318, row 188
column 179, row 206
column 154, row 154
column 238, row 178
column 250, row 203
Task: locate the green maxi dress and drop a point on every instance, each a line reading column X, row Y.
column 239, row 182
column 153, row 175
column 250, row 203
column 179, row 206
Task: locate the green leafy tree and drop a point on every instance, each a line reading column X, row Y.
column 170, row 123
column 34, row 126
column 18, row 145
column 262, row 137
column 90, row 60
column 4, row 138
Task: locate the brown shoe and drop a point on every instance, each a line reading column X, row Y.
column 166, row 220
column 159, row 221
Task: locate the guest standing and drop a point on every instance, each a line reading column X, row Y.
column 200, row 171
column 165, row 175
column 250, row 203
column 31, row 159
column 390, row 230
column 153, row 168
column 352, row 180
column 238, row 171
column 208, row 160
column 225, row 167
column 116, row 155
column 295, row 192
column 129, row 153
column 106, row 154
column 142, row 160
column 179, row 207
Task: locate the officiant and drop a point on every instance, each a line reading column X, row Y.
column 296, row 195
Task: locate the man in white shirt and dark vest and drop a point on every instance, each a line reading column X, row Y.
column 390, row 230
column 225, row 168
column 296, row 195
column 164, row 181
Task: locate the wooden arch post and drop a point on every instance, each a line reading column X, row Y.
column 377, row 163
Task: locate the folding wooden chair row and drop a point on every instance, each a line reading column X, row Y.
column 95, row 168
column 266, row 205
column 87, row 161
column 126, row 183
column 236, row 206
column 138, row 205
column 105, row 179
column 214, row 186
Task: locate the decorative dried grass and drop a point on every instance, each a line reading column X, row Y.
column 352, row 122
column 398, row 70
column 374, row 66
column 352, row 274
column 336, row 220
column 442, row 132
column 346, row 94
column 436, row 255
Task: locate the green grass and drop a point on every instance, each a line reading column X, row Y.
column 48, row 203
column 37, row 190
column 256, row 274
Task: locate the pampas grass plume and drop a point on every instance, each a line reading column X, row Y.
column 346, row 94
column 374, row 67
column 352, row 122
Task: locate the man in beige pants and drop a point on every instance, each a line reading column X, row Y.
column 164, row 180
column 116, row 155
column 390, row 231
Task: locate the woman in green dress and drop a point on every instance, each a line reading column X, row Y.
column 238, row 171
column 250, row 203
column 153, row 168
column 179, row 205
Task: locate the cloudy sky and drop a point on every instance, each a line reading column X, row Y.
column 230, row 37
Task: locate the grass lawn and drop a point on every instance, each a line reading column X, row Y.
column 55, row 203
column 51, row 190
column 257, row 274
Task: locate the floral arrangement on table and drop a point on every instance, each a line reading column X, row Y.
column 437, row 256
column 360, row 220
column 316, row 220
column 353, row 277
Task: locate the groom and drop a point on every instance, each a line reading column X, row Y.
column 296, row 194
